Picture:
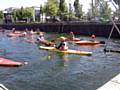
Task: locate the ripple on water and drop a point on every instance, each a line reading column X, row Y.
column 52, row 71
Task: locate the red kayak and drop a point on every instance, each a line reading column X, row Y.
column 9, row 63
column 15, row 35
column 70, row 39
column 87, row 42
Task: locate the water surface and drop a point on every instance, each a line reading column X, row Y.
column 53, row 71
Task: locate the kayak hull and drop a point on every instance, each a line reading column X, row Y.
column 15, row 35
column 9, row 63
column 66, row 51
column 87, row 42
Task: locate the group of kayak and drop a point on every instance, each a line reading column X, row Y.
column 63, row 47
column 15, row 33
column 42, row 40
column 42, row 43
column 71, row 38
column 63, row 40
column 8, row 62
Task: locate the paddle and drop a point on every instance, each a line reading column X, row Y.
column 102, row 42
column 111, row 50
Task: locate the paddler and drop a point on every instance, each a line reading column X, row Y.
column 72, row 36
column 63, row 44
column 93, row 37
column 25, row 33
column 41, row 37
column 42, row 40
column 13, row 30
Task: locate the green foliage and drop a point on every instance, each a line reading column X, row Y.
column 100, row 10
column 23, row 13
column 78, row 9
column 105, row 11
column 28, row 12
column 1, row 15
column 51, row 8
column 63, row 9
column 93, row 11
column 71, row 12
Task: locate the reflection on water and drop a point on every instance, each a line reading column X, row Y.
column 55, row 71
column 63, row 59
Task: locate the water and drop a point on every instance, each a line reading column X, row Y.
column 53, row 71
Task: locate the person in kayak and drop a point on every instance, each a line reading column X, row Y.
column 63, row 44
column 32, row 32
column 93, row 37
column 72, row 36
column 13, row 30
column 25, row 33
column 42, row 40
column 41, row 37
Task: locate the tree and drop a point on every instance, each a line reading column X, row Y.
column 1, row 15
column 100, row 10
column 23, row 13
column 94, row 10
column 63, row 10
column 105, row 11
column 51, row 8
column 78, row 9
column 89, row 15
column 41, row 13
column 71, row 12
column 28, row 12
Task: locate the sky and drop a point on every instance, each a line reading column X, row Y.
column 18, row 3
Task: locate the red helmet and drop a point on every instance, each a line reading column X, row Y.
column 93, row 36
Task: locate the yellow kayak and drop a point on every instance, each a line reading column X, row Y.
column 66, row 52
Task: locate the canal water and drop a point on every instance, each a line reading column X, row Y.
column 53, row 71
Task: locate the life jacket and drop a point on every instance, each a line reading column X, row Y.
column 63, row 46
column 41, row 38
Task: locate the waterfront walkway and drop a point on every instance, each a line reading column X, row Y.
column 2, row 87
column 113, row 84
